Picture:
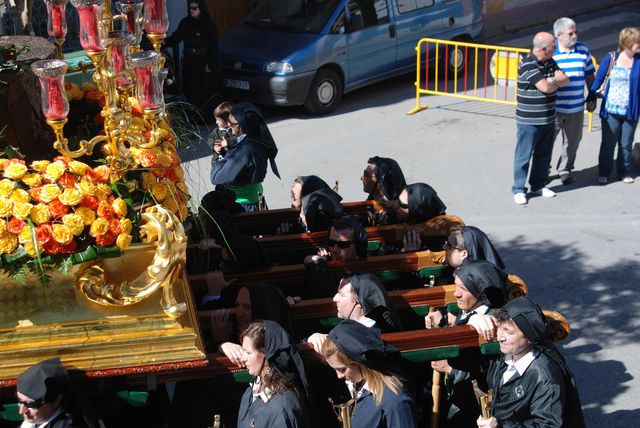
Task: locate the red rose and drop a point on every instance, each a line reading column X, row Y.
column 114, row 226
column 170, row 174
column 44, row 233
column 67, row 180
column 90, row 201
column 148, row 159
column 102, row 173
column 89, row 176
column 159, row 172
column 70, row 248
column 35, row 193
column 15, row 225
column 64, row 159
column 57, row 208
column 175, row 161
column 107, row 239
column 52, row 247
column 105, row 210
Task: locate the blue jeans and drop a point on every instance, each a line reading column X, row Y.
column 535, row 144
column 618, row 130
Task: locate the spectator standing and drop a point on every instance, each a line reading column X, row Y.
column 539, row 78
column 574, row 59
column 620, row 107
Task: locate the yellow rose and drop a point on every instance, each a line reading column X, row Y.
column 86, row 214
column 171, row 205
column 123, row 241
column 54, row 171
column 8, row 243
column 77, row 167
column 6, row 186
column 148, row 180
column 15, row 170
column 24, row 235
column 20, row 195
column 3, row 227
column 75, row 223
column 71, row 197
column 160, row 191
column 40, row 214
column 163, row 160
column 120, row 207
column 49, row 192
column 126, row 226
column 3, row 162
column 40, row 166
column 179, row 173
column 102, row 191
column 99, row 227
column 32, row 180
column 22, row 210
column 6, row 206
column 31, row 249
column 87, row 187
column 62, row 234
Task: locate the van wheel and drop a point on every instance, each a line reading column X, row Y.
column 457, row 66
column 325, row 92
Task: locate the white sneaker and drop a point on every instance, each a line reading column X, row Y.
column 545, row 192
column 520, row 198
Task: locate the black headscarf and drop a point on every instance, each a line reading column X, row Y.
column 252, row 123
column 375, row 302
column 485, row 281
column 365, row 346
column 424, row 203
column 48, row 379
column 246, row 254
column 480, row 247
column 321, row 208
column 269, row 303
column 530, row 319
column 390, row 177
column 282, row 355
column 311, row 183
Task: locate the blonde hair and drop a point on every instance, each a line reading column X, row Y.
column 628, row 37
column 375, row 380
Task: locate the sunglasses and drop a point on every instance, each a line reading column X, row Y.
column 452, row 247
column 32, row 404
column 403, row 205
column 339, row 244
column 194, row 7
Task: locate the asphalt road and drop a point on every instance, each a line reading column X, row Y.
column 578, row 252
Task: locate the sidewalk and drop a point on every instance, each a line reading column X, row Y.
column 514, row 18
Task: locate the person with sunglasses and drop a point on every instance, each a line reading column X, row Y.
column 469, row 242
column 46, row 398
column 244, row 166
column 200, row 54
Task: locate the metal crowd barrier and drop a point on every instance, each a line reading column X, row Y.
column 472, row 71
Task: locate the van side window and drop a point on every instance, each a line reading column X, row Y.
column 367, row 13
column 405, row 6
column 338, row 27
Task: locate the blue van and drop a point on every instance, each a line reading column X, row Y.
column 310, row 52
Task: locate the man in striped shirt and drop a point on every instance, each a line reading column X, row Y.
column 539, row 78
column 575, row 60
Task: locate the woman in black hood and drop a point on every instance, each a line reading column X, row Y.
column 389, row 179
column 244, row 166
column 200, row 60
column 320, row 209
column 419, row 202
column 305, row 184
column 542, row 392
column 469, row 242
column 276, row 396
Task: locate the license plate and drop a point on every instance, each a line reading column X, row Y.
column 236, row 84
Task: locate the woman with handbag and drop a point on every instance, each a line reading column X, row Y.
column 619, row 75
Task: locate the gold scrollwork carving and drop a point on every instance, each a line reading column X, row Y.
column 158, row 225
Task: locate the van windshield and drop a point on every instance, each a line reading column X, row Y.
column 302, row 16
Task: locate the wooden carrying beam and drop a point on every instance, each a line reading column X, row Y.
column 291, row 275
column 269, row 220
column 304, row 242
